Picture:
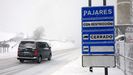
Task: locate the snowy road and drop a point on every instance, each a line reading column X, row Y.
column 12, row 66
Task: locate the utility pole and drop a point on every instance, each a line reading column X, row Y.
column 89, row 3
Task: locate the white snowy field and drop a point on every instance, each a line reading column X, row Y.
column 75, row 68
column 11, row 52
column 6, row 36
column 55, row 45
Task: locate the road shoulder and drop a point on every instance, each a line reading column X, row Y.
column 75, row 68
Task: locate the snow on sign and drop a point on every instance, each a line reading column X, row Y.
column 98, row 30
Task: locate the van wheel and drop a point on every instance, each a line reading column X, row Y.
column 39, row 59
column 21, row 60
column 49, row 58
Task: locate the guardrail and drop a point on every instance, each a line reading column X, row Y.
column 125, row 60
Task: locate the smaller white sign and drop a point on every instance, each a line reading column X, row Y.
column 98, row 61
column 102, row 48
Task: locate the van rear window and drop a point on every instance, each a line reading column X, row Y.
column 27, row 44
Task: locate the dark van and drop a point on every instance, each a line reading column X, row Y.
column 34, row 50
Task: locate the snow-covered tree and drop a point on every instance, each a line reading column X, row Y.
column 38, row 33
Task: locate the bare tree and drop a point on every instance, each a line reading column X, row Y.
column 38, row 33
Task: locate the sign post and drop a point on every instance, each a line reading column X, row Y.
column 89, row 2
column 98, row 38
column 106, row 69
column 104, row 2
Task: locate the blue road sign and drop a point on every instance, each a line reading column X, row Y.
column 98, row 30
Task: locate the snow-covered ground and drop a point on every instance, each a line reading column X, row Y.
column 68, row 63
column 75, row 68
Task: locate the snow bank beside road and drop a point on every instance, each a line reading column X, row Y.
column 75, row 68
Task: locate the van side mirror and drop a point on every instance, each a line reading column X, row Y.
column 49, row 47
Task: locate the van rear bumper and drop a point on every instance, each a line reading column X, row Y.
column 27, row 58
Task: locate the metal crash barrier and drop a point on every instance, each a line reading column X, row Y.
column 125, row 59
column 124, row 50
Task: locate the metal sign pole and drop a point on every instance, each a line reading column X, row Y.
column 89, row 2
column 90, row 48
column 104, row 2
column 106, row 68
column 106, row 71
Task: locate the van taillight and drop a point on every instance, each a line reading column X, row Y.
column 36, row 53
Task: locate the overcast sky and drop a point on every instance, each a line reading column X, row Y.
column 60, row 18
